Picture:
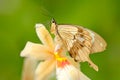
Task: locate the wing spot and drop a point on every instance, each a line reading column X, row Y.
column 81, row 39
column 101, row 44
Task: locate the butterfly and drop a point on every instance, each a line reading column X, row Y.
column 79, row 41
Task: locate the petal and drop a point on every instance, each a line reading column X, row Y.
column 28, row 69
column 83, row 76
column 66, row 71
column 69, row 72
column 44, row 35
column 45, row 69
column 36, row 51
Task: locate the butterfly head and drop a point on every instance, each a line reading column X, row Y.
column 53, row 26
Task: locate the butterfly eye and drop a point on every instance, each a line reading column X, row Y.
column 53, row 21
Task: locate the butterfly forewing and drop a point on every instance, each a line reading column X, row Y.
column 75, row 37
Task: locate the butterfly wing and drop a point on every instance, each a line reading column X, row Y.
column 99, row 43
column 80, row 42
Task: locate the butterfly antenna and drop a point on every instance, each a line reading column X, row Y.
column 46, row 13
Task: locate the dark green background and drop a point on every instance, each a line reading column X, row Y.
column 18, row 18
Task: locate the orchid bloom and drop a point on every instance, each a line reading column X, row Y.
column 51, row 58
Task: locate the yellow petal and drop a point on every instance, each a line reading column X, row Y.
column 44, row 35
column 28, row 69
column 45, row 69
column 36, row 51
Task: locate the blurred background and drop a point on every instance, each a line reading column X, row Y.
column 17, row 26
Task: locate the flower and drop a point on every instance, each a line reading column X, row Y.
column 28, row 69
column 51, row 58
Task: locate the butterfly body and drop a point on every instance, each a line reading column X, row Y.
column 79, row 41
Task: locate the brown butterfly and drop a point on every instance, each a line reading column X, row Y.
column 79, row 41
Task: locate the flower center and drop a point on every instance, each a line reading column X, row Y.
column 61, row 61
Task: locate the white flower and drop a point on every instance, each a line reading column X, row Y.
column 52, row 59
